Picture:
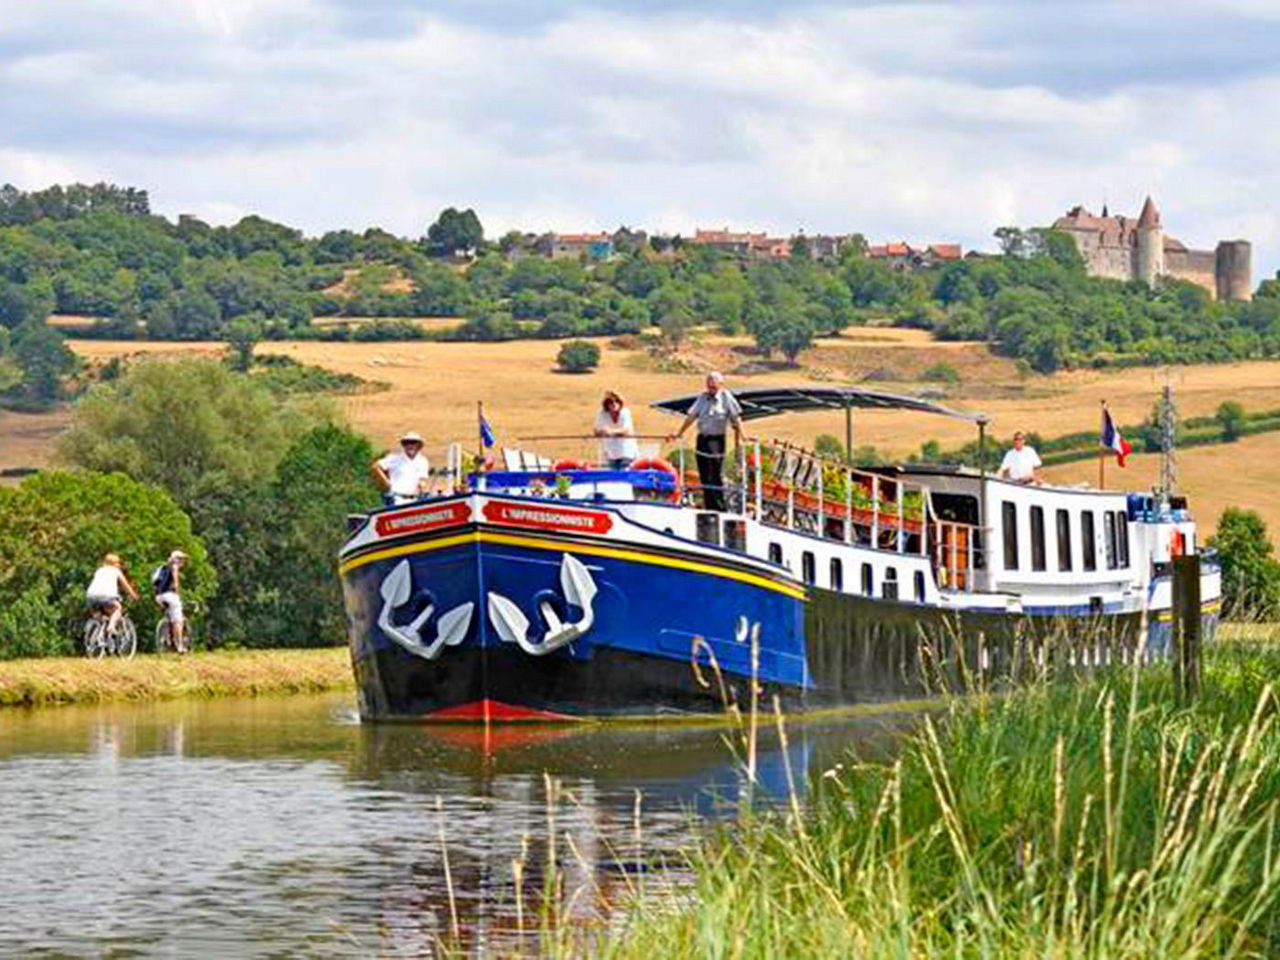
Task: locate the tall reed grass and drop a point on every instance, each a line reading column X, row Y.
column 1089, row 819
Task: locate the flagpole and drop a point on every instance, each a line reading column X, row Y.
column 1102, row 454
column 480, row 434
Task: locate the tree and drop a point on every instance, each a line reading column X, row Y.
column 670, row 308
column 1250, row 572
column 321, row 478
column 578, row 356
column 1013, row 242
column 454, row 232
column 181, row 425
column 44, row 359
column 22, row 303
column 54, row 530
column 1231, row 416
column 243, row 334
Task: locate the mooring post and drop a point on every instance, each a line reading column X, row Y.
column 1186, row 627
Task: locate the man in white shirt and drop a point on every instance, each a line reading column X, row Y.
column 1021, row 463
column 406, row 475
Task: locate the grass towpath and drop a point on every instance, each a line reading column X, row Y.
column 59, row 680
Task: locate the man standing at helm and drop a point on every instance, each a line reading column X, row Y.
column 405, row 475
column 715, row 409
column 1022, row 463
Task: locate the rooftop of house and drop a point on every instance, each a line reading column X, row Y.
column 582, row 237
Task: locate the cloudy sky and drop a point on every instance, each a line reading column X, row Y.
column 906, row 120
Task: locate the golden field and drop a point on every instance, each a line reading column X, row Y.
column 434, row 388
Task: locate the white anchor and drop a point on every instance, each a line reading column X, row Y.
column 513, row 626
column 451, row 629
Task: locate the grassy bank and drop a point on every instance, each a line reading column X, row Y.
column 1100, row 820
column 220, row 673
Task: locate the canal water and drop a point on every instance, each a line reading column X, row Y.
column 284, row 827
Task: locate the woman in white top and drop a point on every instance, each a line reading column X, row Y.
column 615, row 426
column 104, row 589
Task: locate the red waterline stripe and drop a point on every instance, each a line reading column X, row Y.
column 495, row 711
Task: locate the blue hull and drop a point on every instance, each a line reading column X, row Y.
column 668, row 633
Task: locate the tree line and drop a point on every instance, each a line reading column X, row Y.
column 100, row 252
column 251, row 482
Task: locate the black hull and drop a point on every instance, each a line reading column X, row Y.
column 859, row 651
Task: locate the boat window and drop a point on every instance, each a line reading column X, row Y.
column 889, row 589
column 808, row 569
column 1009, row 522
column 1122, row 538
column 837, row 574
column 775, row 553
column 1109, row 538
column 1064, row 540
column 1037, row 538
column 1088, row 541
column 868, row 581
column 920, row 586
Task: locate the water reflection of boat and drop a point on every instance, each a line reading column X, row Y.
column 559, row 591
column 279, row 823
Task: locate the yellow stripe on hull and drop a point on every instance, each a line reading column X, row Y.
column 536, row 543
column 1209, row 606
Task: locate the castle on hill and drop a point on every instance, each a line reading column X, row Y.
column 1127, row 249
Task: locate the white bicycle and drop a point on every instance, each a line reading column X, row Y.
column 164, row 634
column 99, row 641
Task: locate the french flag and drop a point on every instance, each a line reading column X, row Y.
column 1111, row 437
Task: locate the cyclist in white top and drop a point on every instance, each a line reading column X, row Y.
column 1021, row 463
column 405, row 476
column 618, row 430
column 104, row 590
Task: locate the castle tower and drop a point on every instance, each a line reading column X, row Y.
column 1233, row 270
column 1149, row 265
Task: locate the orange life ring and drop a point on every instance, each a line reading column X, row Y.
column 663, row 465
column 569, row 463
column 1176, row 544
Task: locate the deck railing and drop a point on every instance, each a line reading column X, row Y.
column 785, row 485
column 798, row 488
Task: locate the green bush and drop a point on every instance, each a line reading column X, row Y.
column 1250, row 571
column 29, row 625
column 1231, row 417
column 942, row 373
column 54, row 530
column 578, row 356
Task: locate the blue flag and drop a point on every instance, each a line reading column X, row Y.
column 486, row 432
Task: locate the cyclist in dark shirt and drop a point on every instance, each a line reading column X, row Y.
column 167, row 582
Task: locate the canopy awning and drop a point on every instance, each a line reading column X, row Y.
column 772, row 401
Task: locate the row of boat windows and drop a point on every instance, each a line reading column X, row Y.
column 1115, row 539
column 835, row 575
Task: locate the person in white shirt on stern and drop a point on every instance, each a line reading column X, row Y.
column 1022, row 463
column 405, row 475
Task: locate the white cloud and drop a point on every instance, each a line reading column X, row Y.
column 907, row 120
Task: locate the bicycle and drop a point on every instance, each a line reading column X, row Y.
column 99, row 642
column 164, row 638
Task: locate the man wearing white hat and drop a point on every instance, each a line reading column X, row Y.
column 166, row 582
column 404, row 475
